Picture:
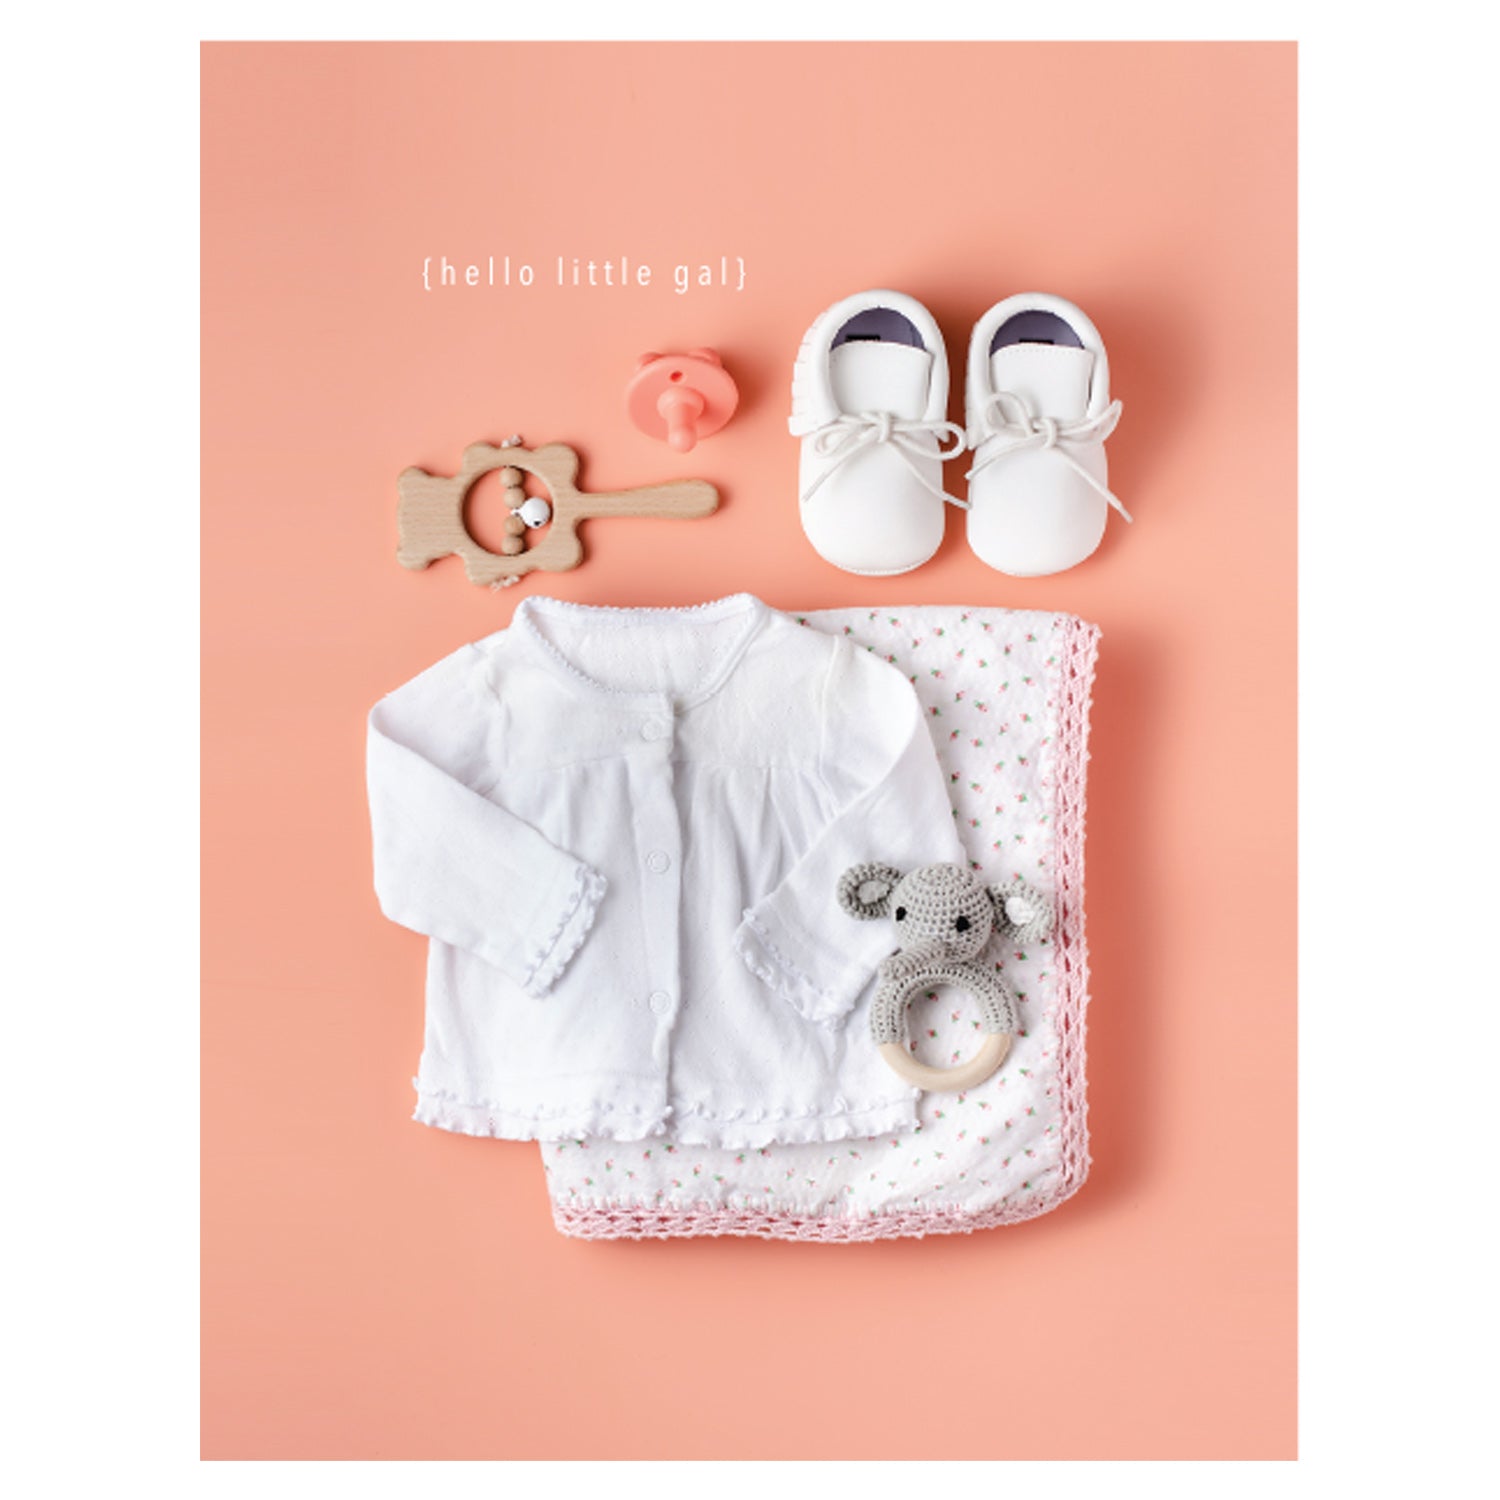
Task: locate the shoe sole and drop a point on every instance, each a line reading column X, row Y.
column 879, row 572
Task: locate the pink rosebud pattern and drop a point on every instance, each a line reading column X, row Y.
column 1006, row 813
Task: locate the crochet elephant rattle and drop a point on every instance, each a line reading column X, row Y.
column 945, row 917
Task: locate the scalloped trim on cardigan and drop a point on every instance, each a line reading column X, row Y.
column 775, row 970
column 446, row 1111
column 524, row 621
column 785, row 1128
column 567, row 936
column 689, row 1125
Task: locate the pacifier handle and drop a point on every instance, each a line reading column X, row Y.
column 680, row 407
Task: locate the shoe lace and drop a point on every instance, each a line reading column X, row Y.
column 1008, row 415
column 851, row 433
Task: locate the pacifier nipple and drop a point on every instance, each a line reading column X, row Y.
column 681, row 399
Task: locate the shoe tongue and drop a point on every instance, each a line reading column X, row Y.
column 871, row 375
column 1052, row 378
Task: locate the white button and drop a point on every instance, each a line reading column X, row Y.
column 655, row 729
column 658, row 862
column 660, row 1002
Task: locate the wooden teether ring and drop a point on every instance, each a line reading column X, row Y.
column 993, row 1051
column 991, row 1054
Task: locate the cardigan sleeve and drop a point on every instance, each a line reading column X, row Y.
column 891, row 804
column 453, row 863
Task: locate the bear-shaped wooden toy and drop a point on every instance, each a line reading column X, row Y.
column 430, row 516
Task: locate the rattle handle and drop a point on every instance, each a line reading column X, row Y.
column 686, row 498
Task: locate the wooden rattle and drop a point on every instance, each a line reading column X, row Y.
column 430, row 512
column 945, row 917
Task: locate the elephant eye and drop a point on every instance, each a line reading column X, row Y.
column 962, row 924
column 900, row 913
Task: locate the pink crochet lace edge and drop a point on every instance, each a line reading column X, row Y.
column 1079, row 651
column 624, row 1222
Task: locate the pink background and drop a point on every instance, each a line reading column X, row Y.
column 373, row 1289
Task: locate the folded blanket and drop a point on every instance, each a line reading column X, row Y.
column 1006, row 696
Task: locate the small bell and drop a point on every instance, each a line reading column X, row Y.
column 534, row 511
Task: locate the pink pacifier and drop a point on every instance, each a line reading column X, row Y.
column 681, row 398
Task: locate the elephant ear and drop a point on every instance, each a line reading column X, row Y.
column 1023, row 914
column 865, row 890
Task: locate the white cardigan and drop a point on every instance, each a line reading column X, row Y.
column 622, row 830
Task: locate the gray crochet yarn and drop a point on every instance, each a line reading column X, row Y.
column 945, row 917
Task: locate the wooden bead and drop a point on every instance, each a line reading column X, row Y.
column 514, row 525
column 511, row 477
column 511, row 545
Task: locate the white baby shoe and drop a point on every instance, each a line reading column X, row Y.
column 869, row 401
column 1038, row 411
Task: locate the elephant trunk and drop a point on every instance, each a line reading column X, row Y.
column 922, row 956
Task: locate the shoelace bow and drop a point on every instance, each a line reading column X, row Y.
column 1008, row 415
column 848, row 434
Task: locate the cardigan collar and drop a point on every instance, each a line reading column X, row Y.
column 602, row 618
